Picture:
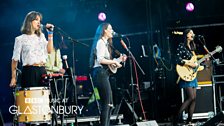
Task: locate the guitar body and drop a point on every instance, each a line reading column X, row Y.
column 185, row 72
column 113, row 68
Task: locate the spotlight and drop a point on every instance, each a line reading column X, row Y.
column 102, row 16
column 190, row 7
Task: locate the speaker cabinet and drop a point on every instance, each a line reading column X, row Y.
column 204, row 102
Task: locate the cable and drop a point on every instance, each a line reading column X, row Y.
column 168, row 69
column 139, row 95
column 157, row 55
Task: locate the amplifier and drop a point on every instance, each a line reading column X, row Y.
column 205, row 76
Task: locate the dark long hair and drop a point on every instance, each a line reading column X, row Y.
column 192, row 44
column 26, row 27
column 98, row 35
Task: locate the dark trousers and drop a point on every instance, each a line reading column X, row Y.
column 32, row 76
column 101, row 81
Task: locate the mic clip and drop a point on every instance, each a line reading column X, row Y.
column 115, row 34
column 51, row 28
column 198, row 36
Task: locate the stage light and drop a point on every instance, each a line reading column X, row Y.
column 190, row 7
column 102, row 16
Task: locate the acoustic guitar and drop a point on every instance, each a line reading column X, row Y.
column 112, row 67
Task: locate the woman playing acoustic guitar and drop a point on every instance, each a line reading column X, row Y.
column 100, row 59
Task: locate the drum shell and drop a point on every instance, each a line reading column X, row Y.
column 33, row 105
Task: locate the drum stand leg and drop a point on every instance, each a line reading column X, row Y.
column 15, row 123
column 54, row 117
column 15, row 117
column 54, row 102
column 124, row 100
column 63, row 100
column 95, row 98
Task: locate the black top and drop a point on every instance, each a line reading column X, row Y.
column 183, row 52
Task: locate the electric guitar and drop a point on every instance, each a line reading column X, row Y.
column 112, row 67
column 188, row 73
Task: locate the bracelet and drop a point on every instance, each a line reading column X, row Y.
column 50, row 35
column 50, row 38
column 50, row 32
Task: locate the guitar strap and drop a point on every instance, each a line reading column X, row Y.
column 193, row 53
column 114, row 49
column 178, row 80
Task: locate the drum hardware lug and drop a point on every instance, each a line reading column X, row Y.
column 26, row 118
column 25, row 93
column 42, row 92
column 44, row 117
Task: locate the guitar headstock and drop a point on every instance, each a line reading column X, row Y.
column 218, row 49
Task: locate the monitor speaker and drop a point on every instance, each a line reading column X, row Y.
column 147, row 123
column 215, row 120
column 1, row 119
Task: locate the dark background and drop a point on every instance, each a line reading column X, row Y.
column 146, row 22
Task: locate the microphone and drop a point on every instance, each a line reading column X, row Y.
column 50, row 28
column 198, row 36
column 115, row 34
column 124, row 45
column 65, row 58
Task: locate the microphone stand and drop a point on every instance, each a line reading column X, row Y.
column 64, row 34
column 131, row 57
column 213, row 58
column 205, row 48
column 70, row 71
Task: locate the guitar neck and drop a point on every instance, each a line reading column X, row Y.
column 206, row 56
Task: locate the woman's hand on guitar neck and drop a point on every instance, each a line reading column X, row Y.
column 123, row 57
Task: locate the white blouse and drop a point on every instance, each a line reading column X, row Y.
column 32, row 48
column 101, row 52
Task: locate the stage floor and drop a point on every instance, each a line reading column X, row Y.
column 90, row 120
column 94, row 121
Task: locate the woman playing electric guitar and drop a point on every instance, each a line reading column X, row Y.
column 185, row 52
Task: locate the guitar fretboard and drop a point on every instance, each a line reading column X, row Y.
column 206, row 56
